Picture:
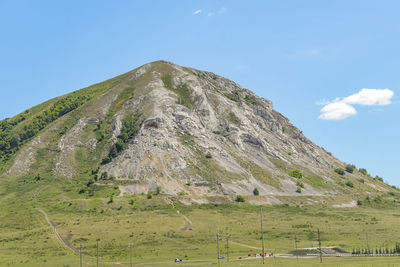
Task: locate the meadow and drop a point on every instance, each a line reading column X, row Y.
column 162, row 228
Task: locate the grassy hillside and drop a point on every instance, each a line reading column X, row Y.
column 159, row 233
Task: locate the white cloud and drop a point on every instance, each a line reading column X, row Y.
column 371, row 97
column 337, row 111
column 197, row 12
column 342, row 108
column 210, row 14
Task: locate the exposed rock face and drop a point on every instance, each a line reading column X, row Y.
column 231, row 123
column 201, row 134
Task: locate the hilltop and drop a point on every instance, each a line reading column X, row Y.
column 158, row 156
column 180, row 130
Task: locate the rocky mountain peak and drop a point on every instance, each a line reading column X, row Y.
column 187, row 131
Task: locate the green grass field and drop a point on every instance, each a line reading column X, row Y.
column 159, row 233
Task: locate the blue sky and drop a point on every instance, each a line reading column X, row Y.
column 302, row 55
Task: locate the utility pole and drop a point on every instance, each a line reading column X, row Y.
column 262, row 236
column 98, row 240
column 319, row 244
column 219, row 264
column 130, row 244
column 80, row 255
column 227, row 249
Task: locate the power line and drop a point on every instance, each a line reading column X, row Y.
column 80, row 255
column 219, row 263
column 262, row 236
column 227, row 249
column 97, row 257
column 319, row 244
column 130, row 244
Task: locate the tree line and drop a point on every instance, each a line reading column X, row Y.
column 12, row 137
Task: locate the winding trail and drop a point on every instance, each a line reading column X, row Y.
column 57, row 234
column 243, row 245
column 68, row 246
column 188, row 224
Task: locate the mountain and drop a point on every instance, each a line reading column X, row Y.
column 178, row 130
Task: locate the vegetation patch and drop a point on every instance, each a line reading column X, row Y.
column 234, row 97
column 130, row 127
column 296, row 173
column 11, row 140
column 183, row 91
column 350, row 168
column 251, row 99
column 339, row 171
column 233, row 119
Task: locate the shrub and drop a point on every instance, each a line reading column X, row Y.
column 341, row 183
column 239, row 198
column 182, row 193
column 158, row 190
column 350, row 168
column 149, row 195
column 251, row 99
column 216, row 132
column 111, row 200
column 189, row 183
column 255, row 192
column 378, row 199
column 378, row 178
column 350, row 184
column 359, row 203
column 106, row 160
column 208, row 155
column 298, row 190
column 104, row 176
column 363, row 171
column 339, row 171
column 296, row 173
column 234, row 96
column 300, row 184
column 361, row 180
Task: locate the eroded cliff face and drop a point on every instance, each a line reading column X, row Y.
column 201, row 135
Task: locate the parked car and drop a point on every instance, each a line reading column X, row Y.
column 178, row 260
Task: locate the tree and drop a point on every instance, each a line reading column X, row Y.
column 119, row 145
column 350, row 168
column 106, row 160
column 239, row 198
column 339, row 171
column 149, row 195
column 350, row 184
column 363, row 171
column 104, row 176
column 158, row 190
column 300, row 184
column 255, row 192
column 296, row 173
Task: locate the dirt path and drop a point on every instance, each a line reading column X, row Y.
column 188, row 224
column 243, row 245
column 58, row 236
